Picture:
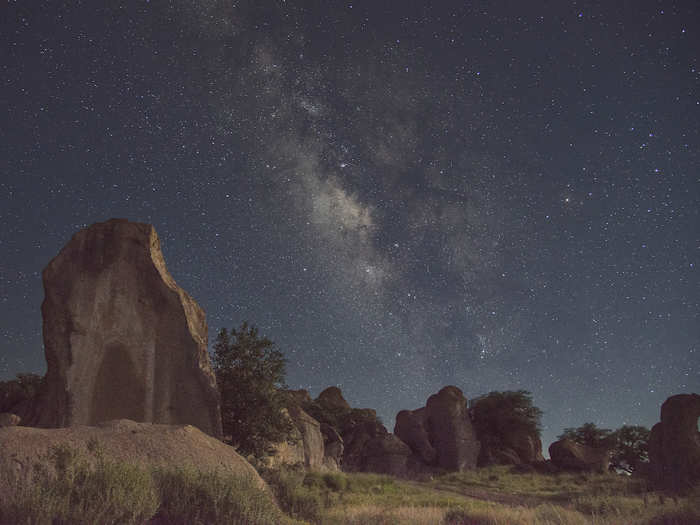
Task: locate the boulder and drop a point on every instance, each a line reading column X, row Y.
column 450, row 430
column 122, row 339
column 386, row 454
column 569, row 455
column 370, row 448
column 410, row 427
column 306, row 444
column 144, row 444
column 674, row 444
column 9, row 420
column 355, row 440
column 332, row 399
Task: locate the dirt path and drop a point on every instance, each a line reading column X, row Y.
column 512, row 500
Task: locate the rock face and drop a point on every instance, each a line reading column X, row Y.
column 122, row 339
column 144, row 444
column 674, row 443
column 569, row 455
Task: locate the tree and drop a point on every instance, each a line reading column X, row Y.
column 499, row 414
column 589, row 435
column 250, row 375
column 631, row 448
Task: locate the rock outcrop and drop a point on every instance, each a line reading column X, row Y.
column 369, row 447
column 332, row 399
column 441, row 434
column 569, row 455
column 122, row 339
column 674, row 443
column 144, row 444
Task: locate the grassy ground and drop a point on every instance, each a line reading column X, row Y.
column 490, row 496
column 69, row 489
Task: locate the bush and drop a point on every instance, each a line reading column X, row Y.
column 67, row 489
column 295, row 495
column 192, row 497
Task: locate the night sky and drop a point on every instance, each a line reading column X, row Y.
column 494, row 195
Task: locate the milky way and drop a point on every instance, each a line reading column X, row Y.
column 400, row 197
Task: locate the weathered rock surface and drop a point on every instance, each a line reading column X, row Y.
column 674, row 443
column 569, row 455
column 143, row 444
column 122, row 339
column 9, row 420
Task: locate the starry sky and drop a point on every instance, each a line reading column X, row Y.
column 402, row 195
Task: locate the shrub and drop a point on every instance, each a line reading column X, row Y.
column 67, row 489
column 193, row 497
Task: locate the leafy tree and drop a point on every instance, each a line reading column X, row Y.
column 631, row 447
column 589, row 435
column 250, row 375
column 499, row 414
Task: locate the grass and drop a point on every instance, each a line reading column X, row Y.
column 493, row 496
column 67, row 487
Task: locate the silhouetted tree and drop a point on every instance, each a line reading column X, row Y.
column 498, row 414
column 589, row 435
column 631, row 447
column 250, row 375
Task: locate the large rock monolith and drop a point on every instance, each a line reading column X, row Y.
column 440, row 434
column 122, row 339
column 674, row 444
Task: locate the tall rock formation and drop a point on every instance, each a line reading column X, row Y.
column 122, row 339
column 441, row 433
column 674, row 443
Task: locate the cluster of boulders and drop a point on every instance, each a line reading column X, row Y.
column 124, row 342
